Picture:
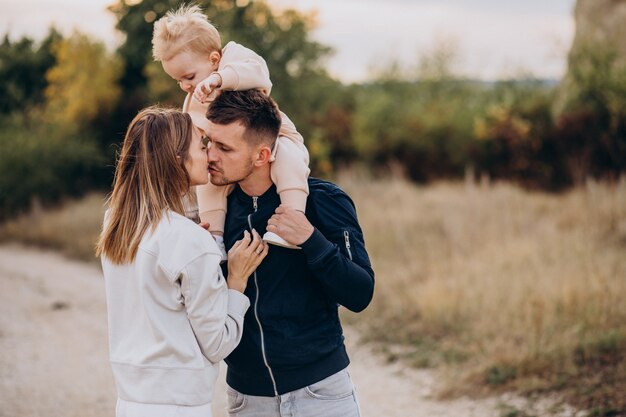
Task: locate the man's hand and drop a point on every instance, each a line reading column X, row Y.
column 205, row 87
column 290, row 224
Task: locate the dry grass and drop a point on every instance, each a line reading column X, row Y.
column 512, row 289
column 503, row 288
column 72, row 228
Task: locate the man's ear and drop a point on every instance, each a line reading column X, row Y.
column 264, row 156
column 214, row 58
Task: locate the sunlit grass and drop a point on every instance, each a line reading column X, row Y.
column 511, row 288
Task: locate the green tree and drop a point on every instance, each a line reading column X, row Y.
column 593, row 98
column 38, row 162
column 82, row 86
column 23, row 65
column 514, row 136
column 134, row 21
column 424, row 127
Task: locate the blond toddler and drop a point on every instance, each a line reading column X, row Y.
column 189, row 48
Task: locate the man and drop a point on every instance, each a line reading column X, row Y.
column 291, row 360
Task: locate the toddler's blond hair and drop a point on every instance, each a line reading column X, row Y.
column 182, row 30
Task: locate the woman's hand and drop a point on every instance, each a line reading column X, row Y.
column 243, row 258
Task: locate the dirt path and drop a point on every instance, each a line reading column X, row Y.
column 53, row 346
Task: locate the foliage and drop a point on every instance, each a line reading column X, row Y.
column 40, row 163
column 423, row 126
column 23, row 65
column 55, row 93
column 514, row 137
column 135, row 20
column 161, row 88
column 82, row 86
column 591, row 112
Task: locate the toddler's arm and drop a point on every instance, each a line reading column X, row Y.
column 288, row 130
column 243, row 69
column 240, row 68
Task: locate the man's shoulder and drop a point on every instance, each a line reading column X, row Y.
column 320, row 188
column 328, row 201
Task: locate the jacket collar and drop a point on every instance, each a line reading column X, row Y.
column 267, row 198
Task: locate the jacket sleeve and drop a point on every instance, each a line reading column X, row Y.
column 243, row 69
column 336, row 252
column 214, row 311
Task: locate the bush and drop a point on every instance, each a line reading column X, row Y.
column 40, row 163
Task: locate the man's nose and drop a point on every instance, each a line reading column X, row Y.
column 210, row 153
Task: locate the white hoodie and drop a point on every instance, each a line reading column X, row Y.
column 172, row 318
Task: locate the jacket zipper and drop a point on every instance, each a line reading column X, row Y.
column 256, row 304
column 346, row 237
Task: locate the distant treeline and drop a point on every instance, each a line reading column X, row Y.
column 65, row 103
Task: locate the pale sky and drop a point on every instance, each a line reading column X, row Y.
column 494, row 38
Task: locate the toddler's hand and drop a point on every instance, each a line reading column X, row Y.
column 205, row 87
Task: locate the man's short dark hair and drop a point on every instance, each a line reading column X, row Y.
column 257, row 112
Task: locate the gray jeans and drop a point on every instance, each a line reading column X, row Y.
column 330, row 397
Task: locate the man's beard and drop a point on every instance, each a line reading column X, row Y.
column 222, row 179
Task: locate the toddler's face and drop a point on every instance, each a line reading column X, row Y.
column 189, row 68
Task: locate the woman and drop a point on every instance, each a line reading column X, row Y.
column 172, row 316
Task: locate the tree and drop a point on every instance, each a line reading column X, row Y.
column 23, row 66
column 83, row 84
column 590, row 108
column 135, row 20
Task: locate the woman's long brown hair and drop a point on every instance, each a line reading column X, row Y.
column 150, row 178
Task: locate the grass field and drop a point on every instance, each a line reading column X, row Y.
column 499, row 287
column 504, row 288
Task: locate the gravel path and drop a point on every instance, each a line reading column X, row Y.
column 53, row 344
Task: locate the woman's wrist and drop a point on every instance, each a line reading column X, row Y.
column 237, row 283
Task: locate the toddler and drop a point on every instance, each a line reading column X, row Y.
column 189, row 48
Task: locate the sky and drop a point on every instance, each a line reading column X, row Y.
column 493, row 39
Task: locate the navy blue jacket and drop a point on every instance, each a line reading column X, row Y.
column 292, row 336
